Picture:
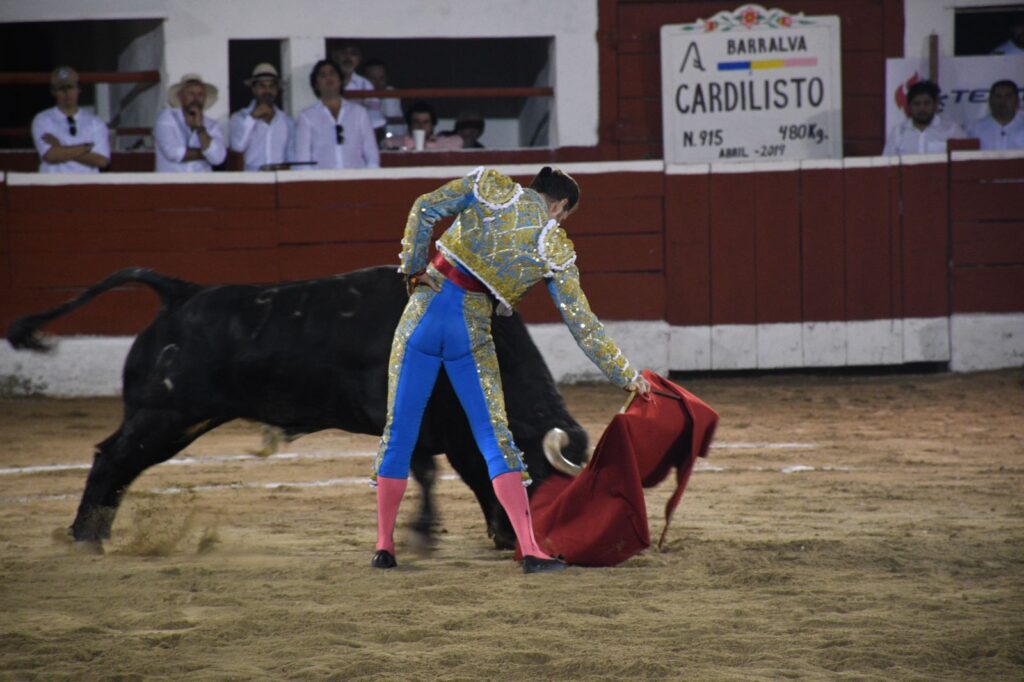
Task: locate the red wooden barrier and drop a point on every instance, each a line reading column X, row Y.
column 925, row 244
column 987, row 214
column 870, row 257
column 777, row 232
column 696, row 247
column 823, row 244
column 688, row 249
column 733, row 248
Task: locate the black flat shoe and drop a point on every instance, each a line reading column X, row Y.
column 533, row 564
column 383, row 559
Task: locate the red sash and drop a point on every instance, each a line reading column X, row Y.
column 456, row 276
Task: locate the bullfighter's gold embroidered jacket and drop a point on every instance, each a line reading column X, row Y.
column 503, row 236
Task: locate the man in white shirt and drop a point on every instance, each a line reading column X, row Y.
column 261, row 132
column 388, row 120
column 348, row 57
column 68, row 139
column 1003, row 128
column 187, row 140
column 1015, row 45
column 924, row 131
column 334, row 132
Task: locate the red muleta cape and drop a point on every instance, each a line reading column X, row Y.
column 600, row 517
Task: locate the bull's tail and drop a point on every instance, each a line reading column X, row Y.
column 24, row 331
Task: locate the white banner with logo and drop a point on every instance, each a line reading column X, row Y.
column 964, row 82
column 751, row 85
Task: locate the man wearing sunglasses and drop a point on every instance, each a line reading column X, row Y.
column 334, row 132
column 68, row 139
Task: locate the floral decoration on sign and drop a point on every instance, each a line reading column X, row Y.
column 748, row 16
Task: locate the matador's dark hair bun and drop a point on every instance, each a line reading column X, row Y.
column 557, row 185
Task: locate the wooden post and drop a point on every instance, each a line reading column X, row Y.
column 933, row 58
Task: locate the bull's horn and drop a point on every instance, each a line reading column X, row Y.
column 554, row 441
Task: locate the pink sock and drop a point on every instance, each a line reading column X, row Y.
column 512, row 495
column 389, row 496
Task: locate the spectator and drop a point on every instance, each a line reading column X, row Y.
column 422, row 116
column 470, row 126
column 68, row 139
column 924, row 131
column 348, row 57
column 1003, row 128
column 187, row 140
column 1015, row 45
column 263, row 133
column 334, row 133
column 390, row 110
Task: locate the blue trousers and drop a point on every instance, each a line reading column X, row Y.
column 451, row 327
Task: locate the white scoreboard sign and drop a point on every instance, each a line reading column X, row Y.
column 752, row 85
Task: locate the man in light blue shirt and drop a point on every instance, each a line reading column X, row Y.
column 261, row 132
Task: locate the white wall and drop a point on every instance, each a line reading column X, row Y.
column 141, row 55
column 196, row 34
column 924, row 17
column 91, row 365
column 537, row 108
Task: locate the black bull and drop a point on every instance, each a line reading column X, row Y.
column 303, row 356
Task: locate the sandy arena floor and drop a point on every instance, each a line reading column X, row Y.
column 845, row 528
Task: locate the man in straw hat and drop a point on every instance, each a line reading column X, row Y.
column 263, row 133
column 68, row 139
column 188, row 141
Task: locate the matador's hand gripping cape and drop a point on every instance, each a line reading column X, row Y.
column 503, row 236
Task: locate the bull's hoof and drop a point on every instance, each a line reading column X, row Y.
column 503, row 541
column 534, row 564
column 383, row 559
column 87, row 546
column 93, row 525
column 66, row 536
column 421, row 541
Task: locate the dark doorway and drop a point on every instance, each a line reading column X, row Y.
column 980, row 30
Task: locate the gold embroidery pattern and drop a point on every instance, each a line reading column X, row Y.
column 503, row 249
column 588, row 331
column 414, row 310
column 494, row 190
column 477, row 314
column 450, row 199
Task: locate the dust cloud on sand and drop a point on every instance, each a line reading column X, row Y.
column 846, row 528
